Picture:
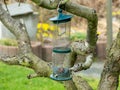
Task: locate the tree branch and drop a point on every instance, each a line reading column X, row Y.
column 81, row 11
column 83, row 66
column 25, row 57
column 10, row 60
column 80, row 83
column 82, row 48
column 29, row 60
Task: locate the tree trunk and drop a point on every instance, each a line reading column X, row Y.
column 110, row 75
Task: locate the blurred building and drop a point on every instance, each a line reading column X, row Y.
column 22, row 12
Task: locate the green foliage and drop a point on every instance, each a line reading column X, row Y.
column 8, row 42
column 78, row 36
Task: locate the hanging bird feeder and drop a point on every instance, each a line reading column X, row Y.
column 61, row 47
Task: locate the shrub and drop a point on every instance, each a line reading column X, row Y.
column 8, row 42
column 78, row 36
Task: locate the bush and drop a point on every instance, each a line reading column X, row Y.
column 8, row 42
column 78, row 36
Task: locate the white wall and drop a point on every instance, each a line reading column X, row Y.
column 5, row 33
column 31, row 25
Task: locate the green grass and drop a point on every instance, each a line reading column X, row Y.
column 92, row 82
column 78, row 36
column 14, row 78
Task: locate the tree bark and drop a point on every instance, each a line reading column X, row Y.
column 80, row 83
column 110, row 75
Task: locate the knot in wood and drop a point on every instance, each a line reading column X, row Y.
column 80, row 46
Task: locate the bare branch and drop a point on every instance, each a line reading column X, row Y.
column 83, row 66
column 29, row 60
column 88, row 62
column 82, row 48
column 64, row 1
column 81, row 11
column 10, row 60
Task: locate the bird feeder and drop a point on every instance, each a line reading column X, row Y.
column 61, row 47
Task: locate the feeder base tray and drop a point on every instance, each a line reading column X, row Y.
column 60, row 78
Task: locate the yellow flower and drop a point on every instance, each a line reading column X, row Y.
column 113, row 13
column 37, row 35
column 46, row 30
column 45, row 35
column 45, row 26
column 118, row 13
column 52, row 28
column 50, row 35
column 39, row 31
column 38, row 25
column 98, row 33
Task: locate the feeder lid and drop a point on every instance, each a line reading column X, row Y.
column 61, row 50
column 61, row 18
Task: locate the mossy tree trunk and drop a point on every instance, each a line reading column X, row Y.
column 110, row 75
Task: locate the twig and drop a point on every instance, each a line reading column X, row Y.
column 6, row 6
column 19, row 3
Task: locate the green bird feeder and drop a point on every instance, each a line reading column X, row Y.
column 61, row 47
